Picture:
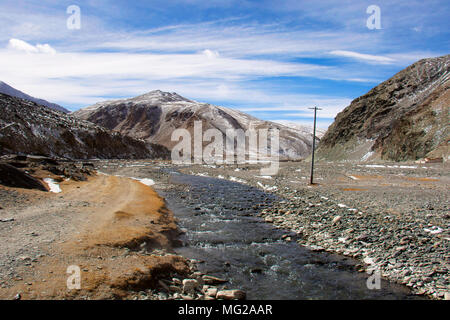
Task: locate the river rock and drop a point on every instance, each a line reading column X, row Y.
column 189, row 285
column 336, row 219
column 213, row 280
column 211, row 292
column 231, row 295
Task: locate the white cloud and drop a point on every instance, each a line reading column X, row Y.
column 364, row 57
column 211, row 54
column 22, row 46
column 45, row 48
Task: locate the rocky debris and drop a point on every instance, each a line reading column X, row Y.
column 190, row 287
column 24, row 171
column 399, row 247
column 29, row 128
column 12, row 177
column 403, row 118
column 155, row 115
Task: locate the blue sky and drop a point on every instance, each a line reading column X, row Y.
column 272, row 59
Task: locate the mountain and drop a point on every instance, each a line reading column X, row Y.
column 10, row 91
column 403, row 118
column 155, row 115
column 304, row 129
column 26, row 127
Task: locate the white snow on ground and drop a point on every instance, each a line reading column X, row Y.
column 264, row 177
column 267, row 188
column 54, row 187
column 367, row 156
column 374, row 166
column 387, row 166
column 324, row 198
column 352, row 177
column 220, row 176
column 204, row 174
column 146, row 181
column 234, row 179
column 340, row 205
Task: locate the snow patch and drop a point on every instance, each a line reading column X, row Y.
column 146, row 181
column 54, row 187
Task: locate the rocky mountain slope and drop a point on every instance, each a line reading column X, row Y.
column 10, row 91
column 155, row 115
column 26, row 127
column 403, row 118
column 304, row 129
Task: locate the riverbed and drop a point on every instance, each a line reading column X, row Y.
column 224, row 233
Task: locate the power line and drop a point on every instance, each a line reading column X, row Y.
column 314, row 144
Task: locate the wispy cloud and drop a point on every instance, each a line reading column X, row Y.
column 23, row 46
column 254, row 56
column 361, row 56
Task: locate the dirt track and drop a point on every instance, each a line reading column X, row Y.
column 104, row 226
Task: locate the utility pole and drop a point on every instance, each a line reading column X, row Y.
column 314, row 144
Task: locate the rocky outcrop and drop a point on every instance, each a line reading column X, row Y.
column 403, row 118
column 12, row 177
column 29, row 128
column 155, row 115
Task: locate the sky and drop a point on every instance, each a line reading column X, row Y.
column 271, row 59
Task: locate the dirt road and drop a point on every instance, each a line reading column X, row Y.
column 106, row 227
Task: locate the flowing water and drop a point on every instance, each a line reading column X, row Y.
column 225, row 234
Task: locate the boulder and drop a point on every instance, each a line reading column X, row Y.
column 12, row 177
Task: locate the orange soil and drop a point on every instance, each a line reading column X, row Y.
column 123, row 217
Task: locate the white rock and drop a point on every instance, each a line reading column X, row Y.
column 211, row 292
column 336, row 219
column 231, row 295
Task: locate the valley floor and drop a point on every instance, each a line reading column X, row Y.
column 393, row 219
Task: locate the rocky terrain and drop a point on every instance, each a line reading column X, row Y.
column 403, row 118
column 29, row 128
column 10, row 91
column 155, row 115
column 117, row 230
column 392, row 218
